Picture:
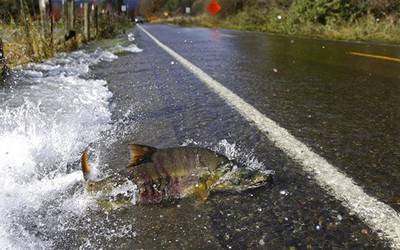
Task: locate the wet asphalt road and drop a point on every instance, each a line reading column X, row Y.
column 345, row 108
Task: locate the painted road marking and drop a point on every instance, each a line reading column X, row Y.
column 375, row 56
column 376, row 214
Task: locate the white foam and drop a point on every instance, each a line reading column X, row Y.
column 33, row 73
column 131, row 37
column 133, row 48
column 49, row 117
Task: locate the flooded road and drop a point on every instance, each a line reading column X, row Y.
column 129, row 90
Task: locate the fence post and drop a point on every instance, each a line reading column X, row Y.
column 71, row 15
column 44, row 16
column 96, row 20
column 65, row 16
column 86, row 21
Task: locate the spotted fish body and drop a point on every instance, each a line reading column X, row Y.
column 163, row 174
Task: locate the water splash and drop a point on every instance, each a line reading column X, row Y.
column 49, row 112
column 233, row 152
column 130, row 48
column 131, row 37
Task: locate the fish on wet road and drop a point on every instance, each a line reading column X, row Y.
column 169, row 173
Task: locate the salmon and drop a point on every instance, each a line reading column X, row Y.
column 155, row 175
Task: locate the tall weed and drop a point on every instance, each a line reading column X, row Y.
column 27, row 43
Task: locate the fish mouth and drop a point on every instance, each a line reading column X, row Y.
column 264, row 178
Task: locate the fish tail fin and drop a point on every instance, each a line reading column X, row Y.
column 85, row 165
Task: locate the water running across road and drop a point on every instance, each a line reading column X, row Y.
column 49, row 112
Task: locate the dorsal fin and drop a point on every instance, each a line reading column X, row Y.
column 139, row 153
column 85, row 165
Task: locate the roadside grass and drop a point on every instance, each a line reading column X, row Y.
column 27, row 42
column 200, row 20
column 366, row 28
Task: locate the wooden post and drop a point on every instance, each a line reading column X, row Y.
column 43, row 15
column 71, row 14
column 65, row 16
column 86, row 22
column 69, row 20
column 46, row 18
column 96, row 21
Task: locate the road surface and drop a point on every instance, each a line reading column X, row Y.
column 324, row 118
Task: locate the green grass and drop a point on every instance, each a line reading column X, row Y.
column 366, row 28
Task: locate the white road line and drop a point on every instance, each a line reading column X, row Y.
column 377, row 215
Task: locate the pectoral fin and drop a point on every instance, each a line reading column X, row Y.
column 139, row 153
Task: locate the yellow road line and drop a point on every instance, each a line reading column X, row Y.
column 375, row 56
